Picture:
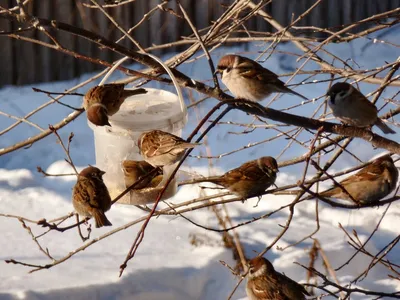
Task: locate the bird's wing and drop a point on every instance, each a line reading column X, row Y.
column 251, row 171
column 113, row 93
column 292, row 290
column 264, row 290
column 86, row 192
column 160, row 143
column 254, row 70
column 367, row 105
column 370, row 173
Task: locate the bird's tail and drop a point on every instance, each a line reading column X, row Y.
column 382, row 126
column 188, row 145
column 328, row 193
column 128, row 93
column 100, row 218
column 297, row 94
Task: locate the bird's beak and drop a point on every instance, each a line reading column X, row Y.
column 102, row 173
column 217, row 71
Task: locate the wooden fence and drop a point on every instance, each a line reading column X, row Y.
column 23, row 62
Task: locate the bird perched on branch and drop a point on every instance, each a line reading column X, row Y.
column 133, row 170
column 90, row 196
column 103, row 101
column 247, row 79
column 264, row 283
column 369, row 185
column 249, row 180
column 351, row 107
column 160, row 148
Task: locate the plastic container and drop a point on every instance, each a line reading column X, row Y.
column 158, row 109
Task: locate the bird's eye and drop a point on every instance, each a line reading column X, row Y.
column 342, row 93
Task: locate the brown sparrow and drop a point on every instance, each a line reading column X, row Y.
column 351, row 107
column 368, row 185
column 264, row 283
column 105, row 100
column 90, row 196
column 161, row 148
column 247, row 79
column 133, row 170
column 250, row 179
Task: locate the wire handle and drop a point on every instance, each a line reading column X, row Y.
column 116, row 65
column 175, row 82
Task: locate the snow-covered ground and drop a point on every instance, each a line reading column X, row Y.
column 167, row 266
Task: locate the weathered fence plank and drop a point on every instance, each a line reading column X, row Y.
column 26, row 63
column 6, row 51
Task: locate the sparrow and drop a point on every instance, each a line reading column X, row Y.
column 249, row 180
column 264, row 283
column 368, row 185
column 102, row 101
column 247, row 79
column 160, row 148
column 133, row 170
column 90, row 196
column 351, row 107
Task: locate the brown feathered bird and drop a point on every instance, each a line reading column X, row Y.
column 249, row 180
column 247, row 79
column 103, row 101
column 370, row 184
column 133, row 170
column 264, row 283
column 90, row 196
column 351, row 107
column 160, row 148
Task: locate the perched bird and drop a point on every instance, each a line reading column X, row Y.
column 103, row 101
column 351, row 107
column 250, row 179
column 133, row 170
column 90, row 196
column 247, row 79
column 264, row 283
column 368, row 185
column 161, row 148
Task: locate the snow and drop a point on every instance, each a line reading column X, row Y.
column 167, row 266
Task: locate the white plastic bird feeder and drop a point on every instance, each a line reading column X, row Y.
column 158, row 109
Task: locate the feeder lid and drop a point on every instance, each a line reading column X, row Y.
column 157, row 109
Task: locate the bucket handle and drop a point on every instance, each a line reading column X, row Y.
column 116, row 65
column 175, row 82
